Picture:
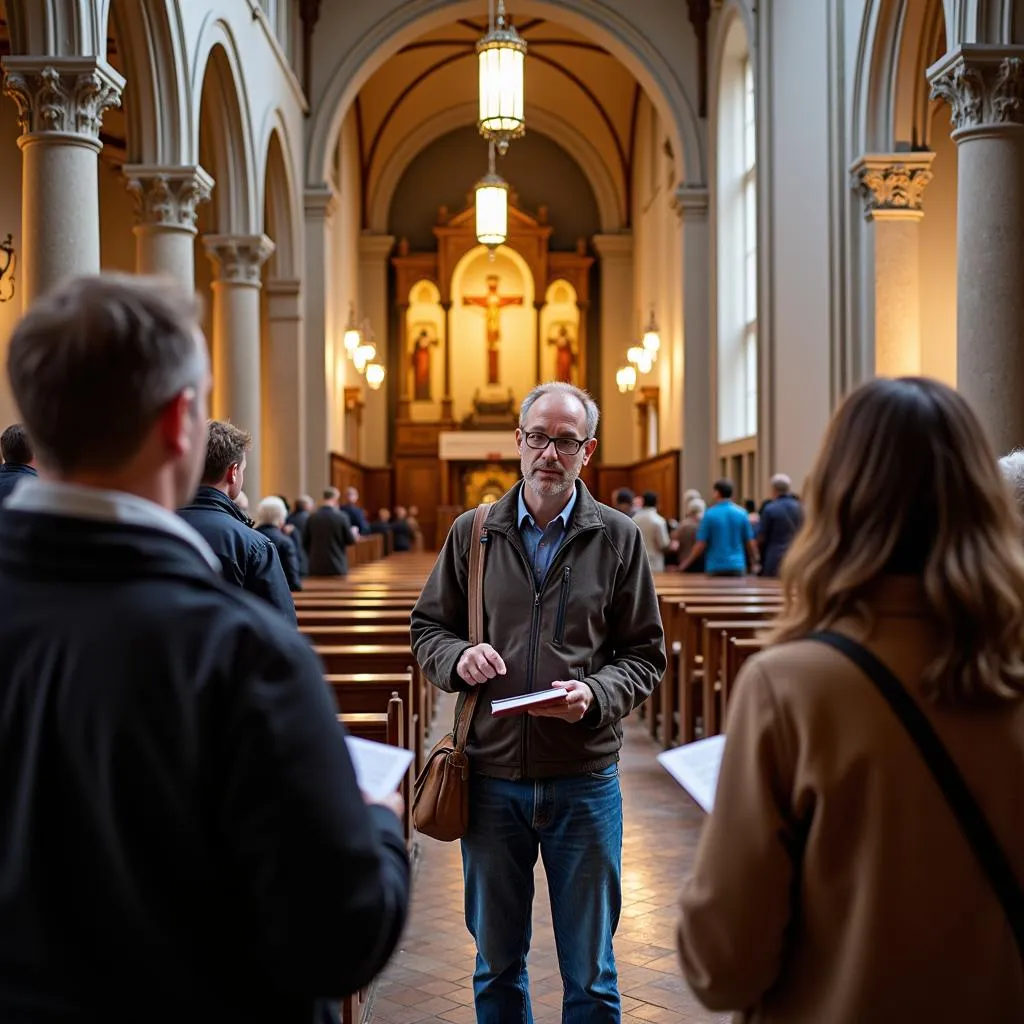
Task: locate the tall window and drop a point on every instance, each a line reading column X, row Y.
column 749, row 201
column 736, row 224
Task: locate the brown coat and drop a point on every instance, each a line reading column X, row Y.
column 833, row 884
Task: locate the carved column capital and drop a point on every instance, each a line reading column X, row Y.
column 892, row 184
column 62, row 96
column 984, row 87
column 168, row 196
column 690, row 202
column 238, row 259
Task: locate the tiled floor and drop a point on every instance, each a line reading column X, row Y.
column 430, row 978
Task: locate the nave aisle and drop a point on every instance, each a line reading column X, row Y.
column 430, row 978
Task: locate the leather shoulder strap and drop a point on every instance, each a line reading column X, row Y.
column 475, row 602
column 975, row 826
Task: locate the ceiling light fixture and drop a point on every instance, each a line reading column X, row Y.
column 501, row 55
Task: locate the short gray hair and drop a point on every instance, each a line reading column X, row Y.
column 271, row 511
column 781, row 483
column 94, row 362
column 558, row 387
column 1012, row 468
column 696, row 507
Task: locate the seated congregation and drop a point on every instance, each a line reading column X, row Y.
column 186, row 837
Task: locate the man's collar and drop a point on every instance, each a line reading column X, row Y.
column 56, row 498
column 525, row 513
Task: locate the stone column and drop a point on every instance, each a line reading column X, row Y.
column 166, row 200
column 237, row 352
column 282, row 448
column 320, row 203
column 617, row 333
column 699, row 436
column 61, row 102
column 374, row 254
column 892, row 186
column 984, row 86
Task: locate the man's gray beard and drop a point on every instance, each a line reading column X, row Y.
column 542, row 486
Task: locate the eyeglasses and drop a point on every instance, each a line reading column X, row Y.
column 563, row 445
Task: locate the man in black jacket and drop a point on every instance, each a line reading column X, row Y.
column 328, row 533
column 183, row 835
column 296, row 529
column 248, row 559
column 19, row 460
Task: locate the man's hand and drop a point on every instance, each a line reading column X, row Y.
column 393, row 802
column 480, row 663
column 572, row 707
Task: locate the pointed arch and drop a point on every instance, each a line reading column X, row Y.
column 281, row 218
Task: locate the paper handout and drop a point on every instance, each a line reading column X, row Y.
column 516, row 705
column 695, row 767
column 379, row 767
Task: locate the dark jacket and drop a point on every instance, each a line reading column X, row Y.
column 286, row 552
column 11, row 474
column 401, row 535
column 781, row 518
column 328, row 533
column 357, row 517
column 183, row 835
column 595, row 618
column 298, row 519
column 249, row 560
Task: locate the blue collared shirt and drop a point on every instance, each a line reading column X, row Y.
column 541, row 545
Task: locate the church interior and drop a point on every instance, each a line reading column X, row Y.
column 716, row 216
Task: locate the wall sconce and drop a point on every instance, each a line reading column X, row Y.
column 375, row 375
column 7, row 270
column 640, row 358
column 625, row 378
column 652, row 339
column 362, row 356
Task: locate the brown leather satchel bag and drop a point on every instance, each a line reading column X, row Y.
column 440, row 800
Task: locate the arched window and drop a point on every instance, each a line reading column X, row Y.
column 737, row 241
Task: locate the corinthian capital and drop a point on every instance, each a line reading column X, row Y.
column 168, row 196
column 893, row 184
column 983, row 85
column 62, row 95
column 237, row 259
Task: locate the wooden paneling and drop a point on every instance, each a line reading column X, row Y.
column 346, row 472
column 660, row 473
column 372, row 482
column 609, row 480
column 418, row 482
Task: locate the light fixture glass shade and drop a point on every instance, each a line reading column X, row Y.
column 640, row 358
column 501, row 56
column 491, row 211
column 374, row 375
column 625, row 378
column 363, row 355
column 652, row 339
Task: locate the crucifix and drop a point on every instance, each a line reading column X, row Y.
column 492, row 303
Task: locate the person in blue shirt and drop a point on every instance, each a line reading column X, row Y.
column 725, row 536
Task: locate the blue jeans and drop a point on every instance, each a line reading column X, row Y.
column 575, row 822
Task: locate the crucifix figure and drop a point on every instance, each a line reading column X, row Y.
column 492, row 303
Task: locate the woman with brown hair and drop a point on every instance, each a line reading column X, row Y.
column 834, row 882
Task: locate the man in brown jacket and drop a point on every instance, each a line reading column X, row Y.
column 569, row 601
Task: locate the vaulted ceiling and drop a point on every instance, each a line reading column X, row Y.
column 577, row 94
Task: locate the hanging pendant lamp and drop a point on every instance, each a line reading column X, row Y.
column 501, row 55
column 491, row 207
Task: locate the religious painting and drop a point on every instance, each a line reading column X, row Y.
column 422, row 342
column 563, row 340
column 493, row 303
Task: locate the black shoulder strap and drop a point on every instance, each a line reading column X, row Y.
column 972, row 819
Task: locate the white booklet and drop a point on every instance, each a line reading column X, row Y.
column 695, row 767
column 516, row 705
column 380, row 768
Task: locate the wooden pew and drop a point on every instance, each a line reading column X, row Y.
column 353, row 617
column 738, row 649
column 716, row 634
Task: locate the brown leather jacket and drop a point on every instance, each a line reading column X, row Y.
column 595, row 618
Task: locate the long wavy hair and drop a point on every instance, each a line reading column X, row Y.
column 906, row 483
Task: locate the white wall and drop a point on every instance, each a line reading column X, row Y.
column 657, row 277
column 343, row 288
